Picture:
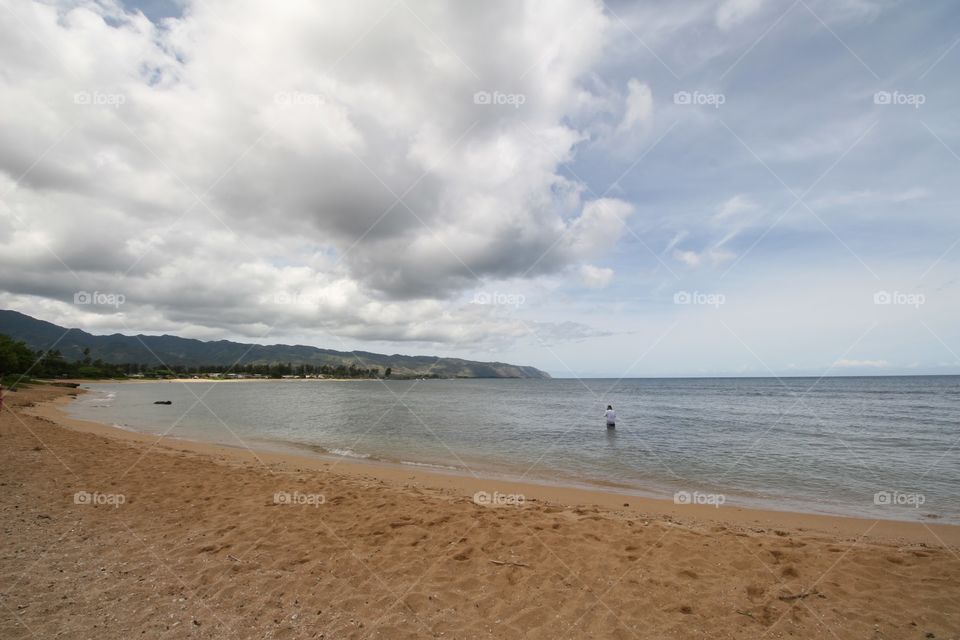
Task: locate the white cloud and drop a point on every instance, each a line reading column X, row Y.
column 873, row 364
column 733, row 12
column 335, row 154
column 831, row 138
column 599, row 227
column 639, row 105
column 714, row 256
column 675, row 240
column 729, row 220
column 869, row 196
column 595, row 277
column 690, row 258
column 736, row 206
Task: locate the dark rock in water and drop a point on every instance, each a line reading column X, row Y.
column 163, row 402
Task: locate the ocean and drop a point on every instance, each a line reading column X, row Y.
column 877, row 447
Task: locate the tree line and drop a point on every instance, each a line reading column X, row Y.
column 16, row 358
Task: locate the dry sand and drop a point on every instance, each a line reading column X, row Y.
column 200, row 548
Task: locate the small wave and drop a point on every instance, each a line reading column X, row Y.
column 99, row 400
column 428, row 465
column 347, row 453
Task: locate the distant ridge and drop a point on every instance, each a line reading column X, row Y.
column 172, row 351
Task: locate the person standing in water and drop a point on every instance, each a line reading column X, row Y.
column 611, row 417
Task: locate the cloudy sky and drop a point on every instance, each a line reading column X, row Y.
column 732, row 187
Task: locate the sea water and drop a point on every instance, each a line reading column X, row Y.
column 876, row 447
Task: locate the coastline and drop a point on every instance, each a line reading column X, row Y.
column 219, row 380
column 467, row 485
column 184, row 539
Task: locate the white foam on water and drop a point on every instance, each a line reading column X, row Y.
column 99, row 399
column 347, row 453
column 431, row 466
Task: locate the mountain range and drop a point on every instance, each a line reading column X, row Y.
column 168, row 351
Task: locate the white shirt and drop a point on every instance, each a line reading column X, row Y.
column 611, row 416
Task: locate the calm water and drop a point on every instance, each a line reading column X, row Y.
column 795, row 444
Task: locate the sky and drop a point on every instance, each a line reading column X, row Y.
column 620, row 189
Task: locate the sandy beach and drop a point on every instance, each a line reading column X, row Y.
column 112, row 534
